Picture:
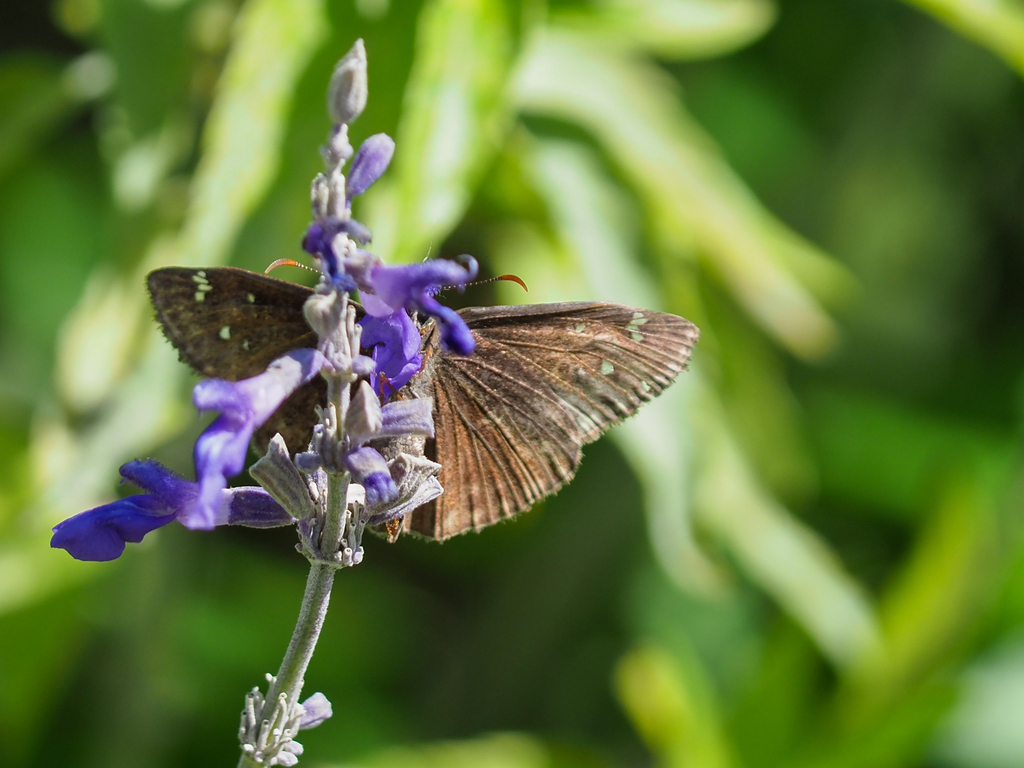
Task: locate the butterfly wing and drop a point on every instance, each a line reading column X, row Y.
column 230, row 323
column 511, row 419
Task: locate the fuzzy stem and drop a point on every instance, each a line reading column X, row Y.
column 300, row 650
column 307, row 631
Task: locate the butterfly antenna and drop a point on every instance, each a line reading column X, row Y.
column 287, row 263
column 384, row 381
column 511, row 278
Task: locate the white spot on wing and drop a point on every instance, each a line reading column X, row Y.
column 245, row 344
column 637, row 337
column 200, row 296
column 252, row 299
column 225, row 332
column 581, row 327
column 607, row 368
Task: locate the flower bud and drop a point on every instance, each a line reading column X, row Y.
column 319, row 195
column 364, row 418
column 278, row 475
column 347, row 91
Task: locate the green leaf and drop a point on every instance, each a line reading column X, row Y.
column 935, row 599
column 496, row 751
column 986, row 727
column 673, row 29
column 597, row 258
column 783, row 556
column 672, row 709
column 33, row 103
column 454, row 118
column 997, row 24
column 694, row 200
column 150, row 50
column 274, row 41
column 885, row 456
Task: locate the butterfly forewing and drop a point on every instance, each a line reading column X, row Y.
column 228, row 322
column 231, row 323
column 512, row 418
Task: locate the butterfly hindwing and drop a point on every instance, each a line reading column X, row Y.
column 511, row 419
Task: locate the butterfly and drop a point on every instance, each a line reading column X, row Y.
column 510, row 420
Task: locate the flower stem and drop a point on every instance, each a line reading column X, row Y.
column 300, row 650
column 307, row 630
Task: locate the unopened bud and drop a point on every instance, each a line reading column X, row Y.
column 278, row 475
column 320, row 195
column 364, row 419
column 347, row 92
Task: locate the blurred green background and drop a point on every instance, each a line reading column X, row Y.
column 807, row 554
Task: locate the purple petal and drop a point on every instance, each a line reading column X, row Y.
column 369, row 164
column 398, row 286
column 319, row 242
column 369, row 469
column 318, row 709
column 373, row 305
column 244, row 405
column 395, row 344
column 356, row 230
column 455, row 334
column 380, row 488
column 172, row 489
column 413, row 286
column 100, row 534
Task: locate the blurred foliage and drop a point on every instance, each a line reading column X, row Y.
column 808, row 553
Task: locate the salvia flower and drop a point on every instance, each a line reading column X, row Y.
column 244, row 406
column 395, row 343
column 369, row 164
column 100, row 534
column 414, row 286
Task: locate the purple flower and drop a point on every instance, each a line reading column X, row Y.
column 370, row 470
column 413, row 286
column 319, row 241
column 395, row 341
column 244, row 406
column 100, row 534
column 318, row 709
column 369, row 164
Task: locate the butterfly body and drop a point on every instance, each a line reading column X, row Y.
column 510, row 420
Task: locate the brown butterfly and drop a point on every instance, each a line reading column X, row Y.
column 510, row 419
